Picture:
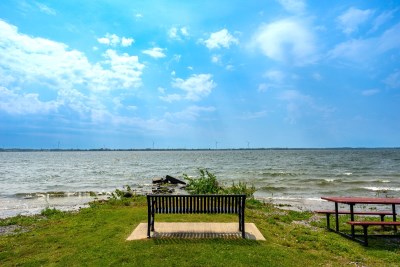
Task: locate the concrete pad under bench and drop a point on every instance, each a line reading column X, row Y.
column 196, row 230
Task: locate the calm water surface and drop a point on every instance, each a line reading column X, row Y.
column 27, row 178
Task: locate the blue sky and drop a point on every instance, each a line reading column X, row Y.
column 199, row 74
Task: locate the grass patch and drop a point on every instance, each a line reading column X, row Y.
column 95, row 236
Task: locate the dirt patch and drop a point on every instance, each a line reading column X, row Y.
column 11, row 229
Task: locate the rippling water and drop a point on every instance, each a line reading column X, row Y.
column 26, row 178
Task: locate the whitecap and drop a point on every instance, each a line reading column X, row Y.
column 375, row 188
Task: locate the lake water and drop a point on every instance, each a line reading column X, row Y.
column 295, row 177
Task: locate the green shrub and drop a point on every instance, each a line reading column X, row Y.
column 206, row 183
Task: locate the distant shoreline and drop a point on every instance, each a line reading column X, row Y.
column 185, row 149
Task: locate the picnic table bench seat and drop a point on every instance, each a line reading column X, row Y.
column 328, row 213
column 365, row 225
column 187, row 204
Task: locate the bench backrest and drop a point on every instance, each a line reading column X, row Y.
column 196, row 203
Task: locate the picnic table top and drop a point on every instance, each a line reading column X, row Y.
column 363, row 200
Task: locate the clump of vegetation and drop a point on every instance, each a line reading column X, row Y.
column 241, row 188
column 49, row 212
column 207, row 183
column 123, row 196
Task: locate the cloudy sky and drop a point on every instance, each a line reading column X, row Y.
column 199, row 74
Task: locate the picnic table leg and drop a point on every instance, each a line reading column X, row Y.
column 337, row 216
column 352, row 219
column 394, row 216
column 328, row 221
column 365, row 228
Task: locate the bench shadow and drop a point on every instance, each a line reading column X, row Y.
column 205, row 237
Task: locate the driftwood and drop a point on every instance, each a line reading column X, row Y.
column 168, row 180
column 167, row 185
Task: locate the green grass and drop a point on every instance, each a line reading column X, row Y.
column 96, row 237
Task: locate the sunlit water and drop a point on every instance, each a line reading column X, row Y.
column 281, row 176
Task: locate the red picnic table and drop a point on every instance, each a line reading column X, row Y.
column 352, row 201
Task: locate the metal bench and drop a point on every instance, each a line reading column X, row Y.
column 186, row 204
column 328, row 214
column 365, row 225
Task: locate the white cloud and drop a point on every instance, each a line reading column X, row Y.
column 293, row 6
column 190, row 113
column 352, row 18
column 125, row 70
column 263, row 87
column 178, row 33
column 370, row 92
column 356, row 50
column 287, row 40
column 184, row 31
column 45, row 9
column 254, row 115
column 361, row 50
column 161, row 90
column 131, row 108
column 275, row 76
column 171, row 98
column 316, row 76
column 220, row 39
column 216, row 59
column 382, row 19
column 41, row 63
column 114, row 40
column 22, row 104
column 155, row 52
column 299, row 105
column 196, row 86
column 230, row 67
column 127, row 41
column 393, row 80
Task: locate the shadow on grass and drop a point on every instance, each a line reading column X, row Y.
column 204, row 238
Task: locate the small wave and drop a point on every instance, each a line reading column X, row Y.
column 382, row 189
column 280, row 174
column 60, row 194
column 347, row 173
column 382, row 181
column 273, row 188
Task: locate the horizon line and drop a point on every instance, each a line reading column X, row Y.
column 184, row 149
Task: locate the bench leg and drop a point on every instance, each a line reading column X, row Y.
column 243, row 230
column 241, row 224
column 152, row 223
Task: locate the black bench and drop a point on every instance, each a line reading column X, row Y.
column 365, row 225
column 328, row 214
column 186, row 204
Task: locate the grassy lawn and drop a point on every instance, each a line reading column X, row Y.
column 96, row 236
